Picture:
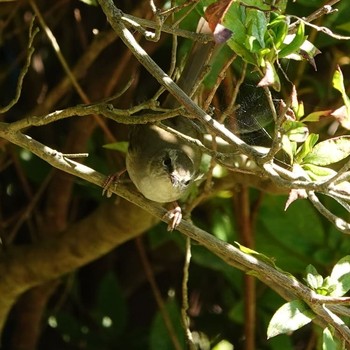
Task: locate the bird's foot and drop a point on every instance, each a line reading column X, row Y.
column 174, row 216
column 110, row 179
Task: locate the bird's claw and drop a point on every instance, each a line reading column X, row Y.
column 174, row 217
column 110, row 179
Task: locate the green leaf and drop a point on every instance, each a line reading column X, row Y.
column 280, row 5
column 329, row 151
column 289, row 317
column 90, row 2
column 235, row 20
column 256, row 254
column 289, row 147
column 329, row 342
column 111, row 306
column 318, row 173
column 241, row 51
column 277, row 30
column 292, row 237
column 260, row 4
column 223, row 345
column 117, row 146
column 270, row 77
column 299, row 134
column 293, row 42
column 340, row 276
column 296, row 131
column 338, row 83
column 299, row 111
column 282, row 342
column 313, row 278
column 306, row 147
column 306, row 51
column 316, row 116
column 159, row 337
column 328, row 287
column 256, row 27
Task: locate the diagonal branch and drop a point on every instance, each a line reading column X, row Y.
column 282, row 282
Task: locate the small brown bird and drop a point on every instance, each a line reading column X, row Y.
column 161, row 165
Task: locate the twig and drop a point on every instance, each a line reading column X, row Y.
column 58, row 52
column 24, row 70
column 339, row 223
column 124, row 116
column 160, row 18
column 231, row 106
column 67, row 69
column 204, row 38
column 114, row 16
column 185, row 306
column 324, row 10
column 324, row 30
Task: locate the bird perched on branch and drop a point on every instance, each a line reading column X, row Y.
column 161, row 165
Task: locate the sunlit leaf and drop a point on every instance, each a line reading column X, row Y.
column 299, row 112
column 313, row 278
column 341, row 115
column 256, row 27
column 340, row 276
column 319, row 173
column 329, row 151
column 289, row 317
column 270, row 77
column 234, row 20
column 277, row 30
column 223, row 345
column 117, row 146
column 306, row 147
column 256, row 254
column 338, row 84
column 289, row 147
column 328, row 287
column 307, row 51
column 296, row 131
column 329, row 342
column 299, row 134
column 293, row 42
column 258, row 4
column 280, row 5
column 316, row 116
column 90, row 2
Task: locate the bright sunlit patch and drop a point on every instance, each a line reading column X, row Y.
column 171, row 293
column 167, row 5
column 223, row 345
column 219, row 171
column 107, row 322
column 52, row 322
column 25, row 155
column 9, row 189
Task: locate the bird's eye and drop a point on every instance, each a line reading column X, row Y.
column 167, row 163
column 186, row 183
